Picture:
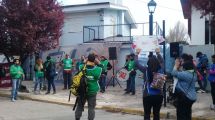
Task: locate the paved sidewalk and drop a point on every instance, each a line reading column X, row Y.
column 114, row 100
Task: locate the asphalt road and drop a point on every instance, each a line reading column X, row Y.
column 32, row 110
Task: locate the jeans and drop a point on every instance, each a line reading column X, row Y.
column 184, row 109
column 132, row 83
column 38, row 82
column 51, row 83
column 67, row 79
column 102, row 82
column 155, row 102
column 91, row 107
column 213, row 92
column 15, row 88
column 204, row 81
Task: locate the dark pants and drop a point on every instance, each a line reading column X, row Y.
column 184, row 109
column 205, row 81
column 200, row 84
column 102, row 82
column 131, row 84
column 155, row 102
column 91, row 100
column 213, row 92
column 51, row 83
column 67, row 79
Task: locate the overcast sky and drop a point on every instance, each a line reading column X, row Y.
column 169, row 10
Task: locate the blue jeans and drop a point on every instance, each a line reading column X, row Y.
column 15, row 88
column 51, row 83
column 204, row 81
column 132, row 83
column 38, row 82
column 102, row 82
column 67, row 79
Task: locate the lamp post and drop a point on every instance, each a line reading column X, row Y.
column 151, row 6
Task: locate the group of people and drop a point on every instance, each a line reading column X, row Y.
column 186, row 70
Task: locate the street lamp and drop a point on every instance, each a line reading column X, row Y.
column 151, row 6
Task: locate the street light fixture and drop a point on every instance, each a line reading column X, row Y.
column 151, row 6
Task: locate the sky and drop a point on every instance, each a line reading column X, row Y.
column 168, row 10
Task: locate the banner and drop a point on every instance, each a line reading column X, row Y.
column 145, row 43
column 5, row 81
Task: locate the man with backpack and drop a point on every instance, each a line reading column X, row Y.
column 93, row 73
column 50, row 74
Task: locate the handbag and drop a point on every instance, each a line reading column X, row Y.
column 177, row 96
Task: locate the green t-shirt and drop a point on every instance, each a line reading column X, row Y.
column 131, row 65
column 39, row 72
column 67, row 64
column 104, row 64
column 16, row 71
column 93, row 75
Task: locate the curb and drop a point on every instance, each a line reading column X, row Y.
column 113, row 109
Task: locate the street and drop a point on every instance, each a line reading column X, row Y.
column 32, row 110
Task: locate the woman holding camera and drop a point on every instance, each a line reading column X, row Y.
column 185, row 88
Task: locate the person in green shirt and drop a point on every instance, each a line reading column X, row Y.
column 16, row 73
column 93, row 73
column 131, row 80
column 39, row 74
column 67, row 71
column 106, row 66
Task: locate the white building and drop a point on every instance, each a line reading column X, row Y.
column 198, row 27
column 97, row 20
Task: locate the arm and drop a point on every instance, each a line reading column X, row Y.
column 139, row 66
column 212, row 70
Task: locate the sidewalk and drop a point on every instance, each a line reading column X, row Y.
column 114, row 100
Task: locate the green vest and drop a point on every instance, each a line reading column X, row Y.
column 93, row 76
column 67, row 64
column 39, row 73
column 131, row 65
column 14, row 71
column 104, row 63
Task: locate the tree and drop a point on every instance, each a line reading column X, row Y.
column 29, row 26
column 206, row 7
column 178, row 34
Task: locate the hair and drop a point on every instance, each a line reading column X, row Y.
column 39, row 61
column 188, row 65
column 153, row 66
column 198, row 54
column 48, row 57
column 213, row 56
column 16, row 60
column 91, row 57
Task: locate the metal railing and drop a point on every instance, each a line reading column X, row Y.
column 99, row 33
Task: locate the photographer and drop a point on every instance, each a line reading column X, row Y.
column 185, row 88
column 93, row 73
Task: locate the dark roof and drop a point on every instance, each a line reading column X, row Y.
column 186, row 7
column 89, row 4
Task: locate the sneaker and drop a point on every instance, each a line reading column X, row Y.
column 47, row 93
column 13, row 100
column 212, row 107
column 127, row 92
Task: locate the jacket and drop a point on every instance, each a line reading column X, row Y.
column 186, row 83
column 93, row 74
column 16, row 71
column 211, row 72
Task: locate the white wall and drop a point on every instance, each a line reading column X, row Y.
column 197, row 28
column 73, row 27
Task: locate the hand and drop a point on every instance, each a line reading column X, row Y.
column 177, row 64
column 97, row 61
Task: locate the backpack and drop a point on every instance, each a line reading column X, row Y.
column 79, row 83
column 158, row 81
